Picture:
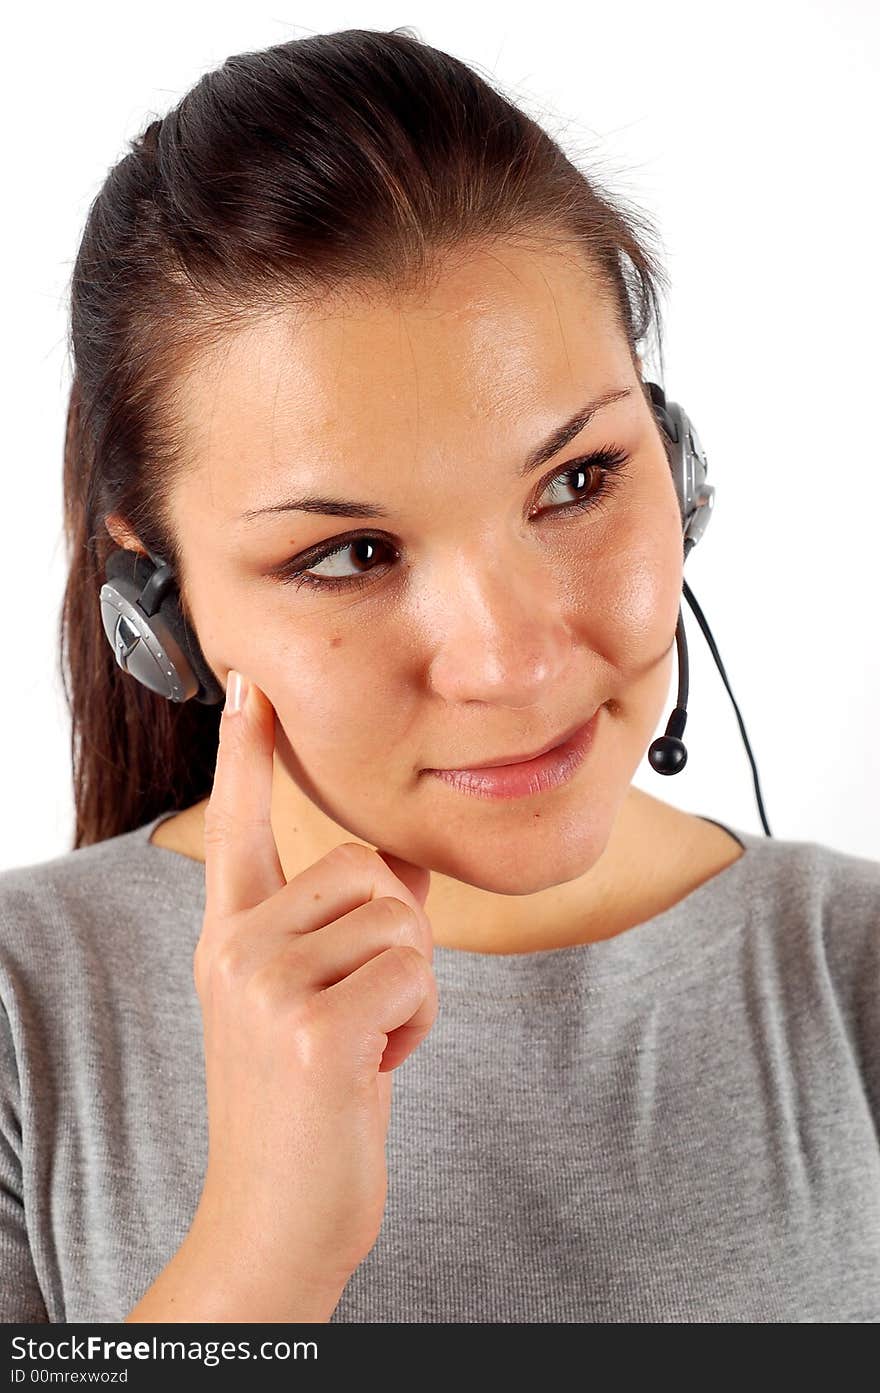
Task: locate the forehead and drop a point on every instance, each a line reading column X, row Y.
column 506, row 343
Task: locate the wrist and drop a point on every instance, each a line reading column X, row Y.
column 233, row 1277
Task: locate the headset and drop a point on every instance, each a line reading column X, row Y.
column 147, row 628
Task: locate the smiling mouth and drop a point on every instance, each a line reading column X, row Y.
column 518, row 759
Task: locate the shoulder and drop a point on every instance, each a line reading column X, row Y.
column 843, row 892
column 96, row 953
column 814, row 874
column 32, row 895
column 788, row 891
column 817, row 903
column 86, row 907
column 829, row 903
column 43, row 901
column 831, row 885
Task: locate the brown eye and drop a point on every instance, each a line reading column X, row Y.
column 599, row 472
column 365, row 548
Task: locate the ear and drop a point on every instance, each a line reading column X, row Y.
column 122, row 534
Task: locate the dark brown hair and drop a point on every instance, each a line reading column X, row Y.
column 349, row 160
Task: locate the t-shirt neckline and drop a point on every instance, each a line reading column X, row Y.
column 676, row 939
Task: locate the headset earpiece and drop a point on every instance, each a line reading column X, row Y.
column 146, row 628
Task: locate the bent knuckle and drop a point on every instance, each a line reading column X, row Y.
column 225, row 963
column 402, row 924
column 356, row 857
column 271, row 991
column 318, row 1028
column 406, row 963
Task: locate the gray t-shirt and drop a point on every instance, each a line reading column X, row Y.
column 679, row 1123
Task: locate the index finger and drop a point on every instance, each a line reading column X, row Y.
column 242, row 866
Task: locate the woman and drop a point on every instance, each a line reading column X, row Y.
column 356, row 352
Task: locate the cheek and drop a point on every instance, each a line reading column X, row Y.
column 625, row 601
column 336, row 687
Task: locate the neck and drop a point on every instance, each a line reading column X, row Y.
column 654, row 855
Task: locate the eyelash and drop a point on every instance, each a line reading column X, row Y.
column 609, row 460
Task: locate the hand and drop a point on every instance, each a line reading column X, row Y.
column 312, row 992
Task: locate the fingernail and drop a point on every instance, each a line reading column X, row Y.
column 236, row 691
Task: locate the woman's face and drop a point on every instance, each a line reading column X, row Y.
column 469, row 611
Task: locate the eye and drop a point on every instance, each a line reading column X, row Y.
column 596, row 473
column 599, row 473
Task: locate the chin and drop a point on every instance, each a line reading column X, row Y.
column 519, row 863
column 518, row 882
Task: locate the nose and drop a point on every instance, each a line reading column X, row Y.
column 504, row 638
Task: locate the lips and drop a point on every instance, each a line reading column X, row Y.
column 534, row 754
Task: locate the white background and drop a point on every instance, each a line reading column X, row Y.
column 749, row 134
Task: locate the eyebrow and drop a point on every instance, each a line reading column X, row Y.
column 351, row 508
